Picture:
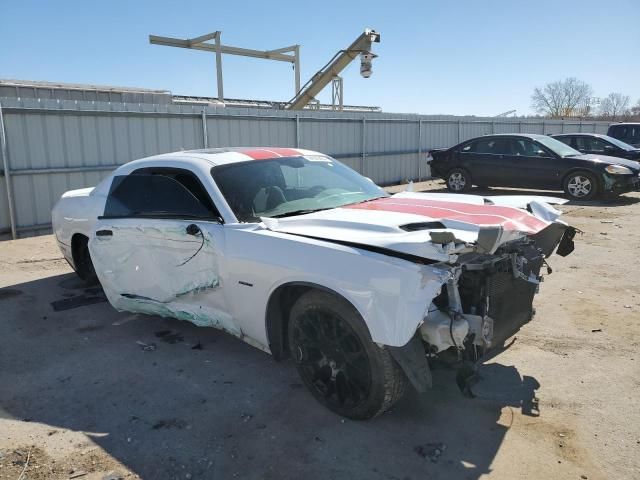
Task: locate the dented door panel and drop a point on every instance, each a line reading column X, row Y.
column 155, row 266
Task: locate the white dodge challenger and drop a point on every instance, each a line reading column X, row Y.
column 302, row 257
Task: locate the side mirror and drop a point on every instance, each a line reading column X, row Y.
column 541, row 153
column 609, row 148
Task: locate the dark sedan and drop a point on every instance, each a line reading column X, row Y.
column 532, row 161
column 599, row 145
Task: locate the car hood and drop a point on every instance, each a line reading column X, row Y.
column 431, row 226
column 634, row 165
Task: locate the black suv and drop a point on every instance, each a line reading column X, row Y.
column 532, row 161
column 599, row 145
column 627, row 132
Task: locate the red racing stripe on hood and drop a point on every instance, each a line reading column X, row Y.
column 482, row 215
column 268, row 153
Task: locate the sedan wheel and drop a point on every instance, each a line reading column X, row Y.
column 581, row 185
column 458, row 181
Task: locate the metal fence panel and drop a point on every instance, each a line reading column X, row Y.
column 55, row 145
column 439, row 134
column 336, row 137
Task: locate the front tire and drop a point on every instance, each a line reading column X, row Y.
column 458, row 180
column 581, row 185
column 337, row 360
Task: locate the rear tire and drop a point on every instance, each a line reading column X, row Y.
column 337, row 360
column 82, row 260
column 458, row 180
column 581, row 185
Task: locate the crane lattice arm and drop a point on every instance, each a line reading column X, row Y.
column 361, row 46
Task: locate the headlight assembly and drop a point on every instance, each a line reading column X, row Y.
column 618, row 170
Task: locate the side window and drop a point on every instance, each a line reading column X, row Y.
column 525, row 148
column 470, row 147
column 583, row 144
column 186, row 178
column 153, row 195
column 566, row 140
column 492, row 146
column 597, row 145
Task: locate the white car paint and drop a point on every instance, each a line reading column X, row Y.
column 239, row 265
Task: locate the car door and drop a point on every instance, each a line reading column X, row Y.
column 530, row 165
column 158, row 247
column 484, row 159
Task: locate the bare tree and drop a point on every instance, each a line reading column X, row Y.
column 564, row 98
column 635, row 111
column 615, row 105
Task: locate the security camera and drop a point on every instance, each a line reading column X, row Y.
column 365, row 64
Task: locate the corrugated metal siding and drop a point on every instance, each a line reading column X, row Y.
column 93, row 137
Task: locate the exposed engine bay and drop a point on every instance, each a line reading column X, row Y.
column 486, row 300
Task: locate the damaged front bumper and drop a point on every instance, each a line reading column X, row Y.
column 487, row 298
column 617, row 184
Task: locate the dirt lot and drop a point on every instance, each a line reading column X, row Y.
column 80, row 398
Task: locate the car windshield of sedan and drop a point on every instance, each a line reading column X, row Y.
column 557, row 147
column 618, row 143
column 290, row 186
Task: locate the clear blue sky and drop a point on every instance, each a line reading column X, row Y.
column 458, row 57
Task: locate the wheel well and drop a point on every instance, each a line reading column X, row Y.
column 277, row 315
column 78, row 241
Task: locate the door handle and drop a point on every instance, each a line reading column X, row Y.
column 104, row 233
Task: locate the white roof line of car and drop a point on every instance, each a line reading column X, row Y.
column 210, row 157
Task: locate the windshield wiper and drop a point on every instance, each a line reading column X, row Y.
column 299, row 212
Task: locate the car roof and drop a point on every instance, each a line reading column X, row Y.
column 532, row 136
column 583, row 134
column 624, row 123
column 227, row 155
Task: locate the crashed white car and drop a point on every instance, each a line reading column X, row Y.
column 300, row 256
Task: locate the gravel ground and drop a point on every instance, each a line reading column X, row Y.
column 79, row 398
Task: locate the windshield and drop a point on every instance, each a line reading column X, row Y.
column 290, row 186
column 558, row 147
column 618, row 143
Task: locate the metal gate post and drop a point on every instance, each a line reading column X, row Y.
column 205, row 134
column 297, row 131
column 7, row 175
column 459, row 131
